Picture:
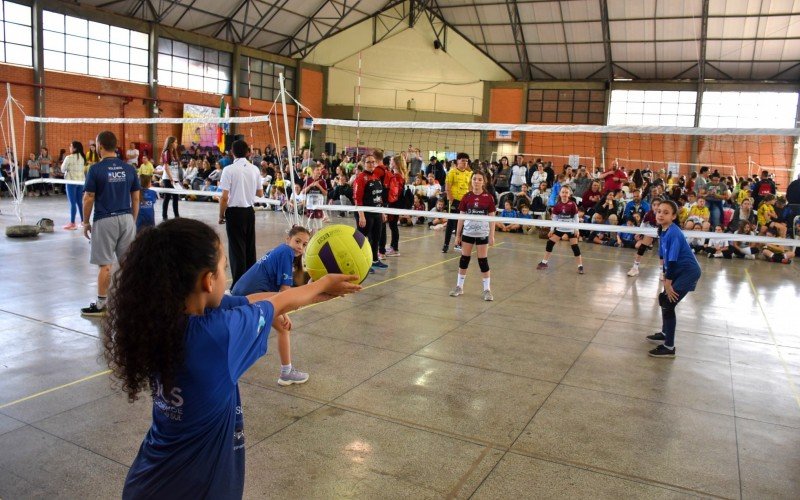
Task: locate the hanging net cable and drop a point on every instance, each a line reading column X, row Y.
column 445, row 139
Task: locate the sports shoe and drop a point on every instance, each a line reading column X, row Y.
column 70, row 227
column 658, row 338
column 445, row 248
column 381, row 256
column 750, row 257
column 662, row 352
column 380, row 265
column 391, row 252
column 293, row 377
column 487, row 295
column 541, row 265
column 457, row 248
column 580, row 269
column 93, row 310
column 634, row 271
column 455, row 292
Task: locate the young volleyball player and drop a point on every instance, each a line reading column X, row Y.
column 473, row 232
column 565, row 210
column 272, row 274
column 189, row 343
column 643, row 241
column 681, row 273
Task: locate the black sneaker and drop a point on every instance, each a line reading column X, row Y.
column 658, row 338
column 445, row 248
column 93, row 310
column 580, row 269
column 662, row 352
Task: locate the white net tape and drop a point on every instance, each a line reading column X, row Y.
column 577, row 226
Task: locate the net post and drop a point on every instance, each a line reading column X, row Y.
column 289, row 151
column 17, row 179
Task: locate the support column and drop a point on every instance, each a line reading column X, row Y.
column 236, row 66
column 152, row 81
column 38, row 72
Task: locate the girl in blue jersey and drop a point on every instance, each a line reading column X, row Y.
column 273, row 274
column 681, row 273
column 189, row 343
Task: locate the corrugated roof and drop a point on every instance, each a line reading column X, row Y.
column 531, row 39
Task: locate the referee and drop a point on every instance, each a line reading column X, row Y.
column 241, row 184
column 457, row 184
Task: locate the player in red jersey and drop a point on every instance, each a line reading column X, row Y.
column 475, row 232
column 565, row 210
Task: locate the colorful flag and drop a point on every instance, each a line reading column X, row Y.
column 222, row 128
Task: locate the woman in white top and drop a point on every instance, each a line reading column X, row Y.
column 190, row 174
column 74, row 168
column 518, row 175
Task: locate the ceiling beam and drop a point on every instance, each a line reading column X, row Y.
column 608, row 59
column 519, row 41
column 701, row 65
column 265, row 18
column 564, row 34
column 431, row 10
column 776, row 75
column 229, row 19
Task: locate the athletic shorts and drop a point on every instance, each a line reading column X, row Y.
column 472, row 240
column 561, row 234
column 111, row 237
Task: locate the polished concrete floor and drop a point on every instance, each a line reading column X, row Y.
column 545, row 392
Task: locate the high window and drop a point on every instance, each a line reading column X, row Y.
column 668, row 108
column 193, row 67
column 748, row 109
column 259, row 79
column 15, row 34
column 77, row 45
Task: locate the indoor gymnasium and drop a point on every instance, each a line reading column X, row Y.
column 399, row 249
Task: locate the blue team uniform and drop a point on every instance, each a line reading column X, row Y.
column 195, row 446
column 147, row 215
column 112, row 180
column 680, row 264
column 268, row 274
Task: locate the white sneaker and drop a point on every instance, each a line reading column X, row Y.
column 391, row 252
column 750, row 257
column 634, row 271
column 487, row 295
column 455, row 292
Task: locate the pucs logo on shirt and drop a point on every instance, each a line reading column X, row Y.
column 170, row 404
column 116, row 174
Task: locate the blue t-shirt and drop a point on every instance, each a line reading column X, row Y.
column 147, row 214
column 268, row 274
column 195, row 446
column 511, row 214
column 680, row 264
column 112, row 181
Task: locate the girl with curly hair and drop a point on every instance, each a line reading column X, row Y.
column 171, row 328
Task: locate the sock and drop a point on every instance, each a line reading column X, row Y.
column 544, row 261
column 286, row 369
column 635, row 265
column 460, row 280
column 101, row 301
column 486, row 283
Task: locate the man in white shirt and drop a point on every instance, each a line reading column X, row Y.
column 240, row 184
column 132, row 156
